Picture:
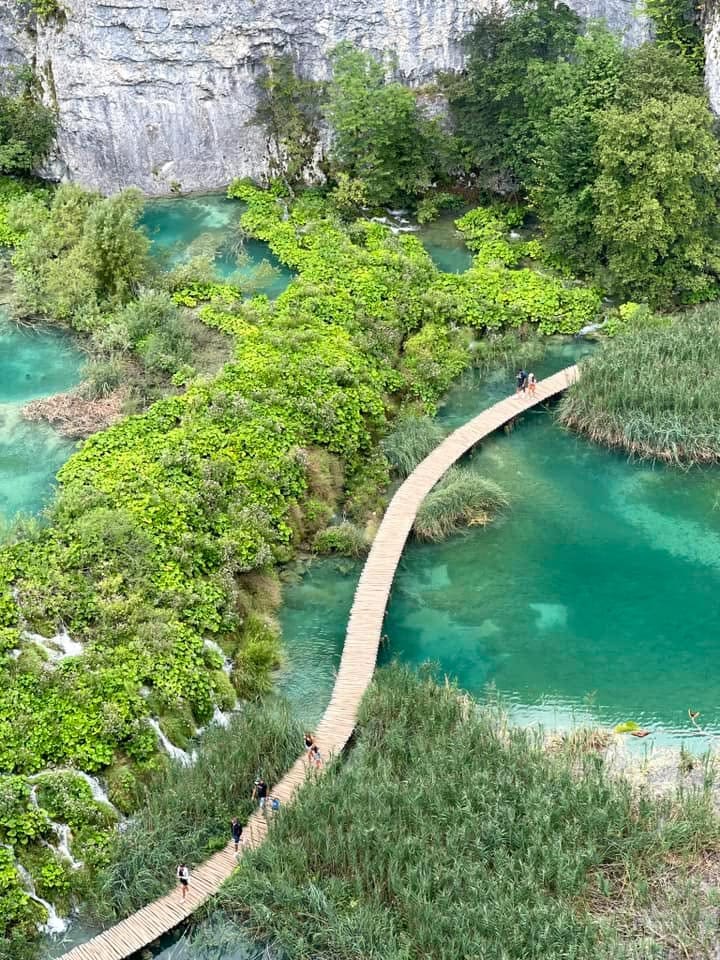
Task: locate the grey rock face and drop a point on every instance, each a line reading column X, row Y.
column 161, row 93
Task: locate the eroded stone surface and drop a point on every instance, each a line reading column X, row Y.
column 161, row 93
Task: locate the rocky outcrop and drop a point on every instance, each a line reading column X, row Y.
column 161, row 93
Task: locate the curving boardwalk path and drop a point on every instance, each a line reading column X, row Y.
column 356, row 669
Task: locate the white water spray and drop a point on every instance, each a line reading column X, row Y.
column 175, row 752
column 55, row 924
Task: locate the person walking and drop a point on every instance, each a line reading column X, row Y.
column 236, row 832
column 531, row 384
column 521, row 380
column 183, row 875
column 309, row 741
column 315, row 756
column 259, row 793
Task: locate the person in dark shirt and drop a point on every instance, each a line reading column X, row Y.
column 521, row 381
column 260, row 792
column 236, row 831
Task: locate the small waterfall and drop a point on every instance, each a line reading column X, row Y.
column 220, row 718
column 54, row 924
column 175, row 752
column 58, row 647
column 98, row 794
column 62, row 831
column 227, row 661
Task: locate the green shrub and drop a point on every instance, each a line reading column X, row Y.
column 461, row 497
column 344, row 538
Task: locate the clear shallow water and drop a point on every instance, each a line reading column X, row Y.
column 181, row 228
column 33, row 363
column 444, row 242
column 593, row 599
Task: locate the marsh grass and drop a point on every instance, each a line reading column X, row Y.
column 410, row 441
column 187, row 813
column 461, row 497
column 654, row 392
column 448, row 834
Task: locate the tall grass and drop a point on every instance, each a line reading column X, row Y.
column 411, row 440
column 654, row 392
column 448, row 835
column 462, row 496
column 509, row 350
column 186, row 815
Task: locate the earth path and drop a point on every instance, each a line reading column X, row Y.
column 354, row 675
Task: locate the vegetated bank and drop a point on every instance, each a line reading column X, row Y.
column 158, row 555
column 654, row 389
column 448, row 833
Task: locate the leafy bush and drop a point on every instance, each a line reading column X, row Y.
column 410, row 441
column 79, row 254
column 460, row 498
column 653, row 391
column 27, row 128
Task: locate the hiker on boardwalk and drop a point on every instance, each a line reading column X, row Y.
column 309, row 743
column 259, row 793
column 521, row 381
column 183, row 875
column 315, row 756
column 236, row 831
column 531, row 384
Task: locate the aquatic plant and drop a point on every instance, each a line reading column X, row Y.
column 460, row 498
column 410, row 441
column 654, row 391
column 450, row 834
column 345, row 539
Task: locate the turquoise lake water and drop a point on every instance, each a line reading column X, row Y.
column 593, row 599
column 34, row 363
column 209, row 225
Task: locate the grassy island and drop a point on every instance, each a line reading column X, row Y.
column 654, row 391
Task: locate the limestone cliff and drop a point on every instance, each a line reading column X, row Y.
column 158, row 93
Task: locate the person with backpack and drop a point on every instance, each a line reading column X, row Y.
column 260, row 791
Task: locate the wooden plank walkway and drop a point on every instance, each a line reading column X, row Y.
column 354, row 675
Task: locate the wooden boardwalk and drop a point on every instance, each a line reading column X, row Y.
column 354, row 675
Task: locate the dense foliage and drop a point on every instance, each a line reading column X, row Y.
column 449, row 834
column 187, row 814
column 654, row 391
column 27, row 128
column 289, row 111
column 614, row 147
column 79, row 255
column 381, row 140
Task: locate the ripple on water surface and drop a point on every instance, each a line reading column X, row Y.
column 33, row 363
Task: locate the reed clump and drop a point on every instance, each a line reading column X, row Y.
column 654, row 392
column 410, row 441
column 448, row 834
column 462, row 497
column 186, row 814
